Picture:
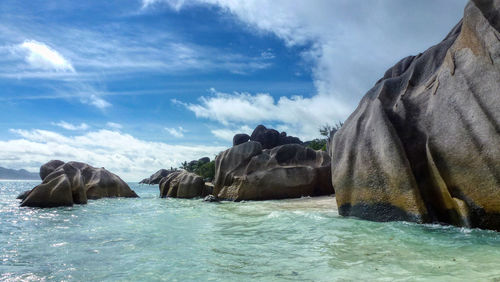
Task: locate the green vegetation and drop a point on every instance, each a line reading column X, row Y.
column 327, row 131
column 317, row 144
column 203, row 169
column 206, row 170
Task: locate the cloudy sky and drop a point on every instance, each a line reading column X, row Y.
column 139, row 85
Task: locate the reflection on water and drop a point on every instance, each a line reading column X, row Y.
column 172, row 239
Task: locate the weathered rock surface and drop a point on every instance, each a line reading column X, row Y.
column 74, row 183
column 247, row 172
column 156, row 177
column 182, row 184
column 424, row 143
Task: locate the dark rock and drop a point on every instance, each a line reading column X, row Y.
column 75, row 183
column 23, row 195
column 246, row 172
column 203, row 160
column 424, row 143
column 270, row 138
column 156, row 177
column 49, row 167
column 182, row 184
column 290, row 140
column 211, row 198
column 209, row 188
column 240, row 138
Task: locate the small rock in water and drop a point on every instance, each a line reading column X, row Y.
column 210, row 198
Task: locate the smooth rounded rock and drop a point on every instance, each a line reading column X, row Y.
column 240, row 138
column 75, row 183
column 182, row 184
column 247, row 172
column 424, row 143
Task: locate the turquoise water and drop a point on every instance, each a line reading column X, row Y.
column 190, row 240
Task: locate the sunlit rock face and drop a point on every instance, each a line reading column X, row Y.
column 65, row 184
column 424, row 143
column 248, row 172
column 183, row 184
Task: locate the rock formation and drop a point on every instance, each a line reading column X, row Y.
column 183, row 184
column 424, row 143
column 65, row 184
column 240, row 138
column 268, row 138
column 157, row 176
column 247, row 172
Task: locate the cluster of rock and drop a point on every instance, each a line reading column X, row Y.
column 268, row 138
column 183, row 184
column 266, row 165
column 249, row 172
column 424, row 143
column 65, row 184
column 157, row 176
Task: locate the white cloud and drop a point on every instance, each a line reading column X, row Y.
column 174, row 4
column 176, row 132
column 301, row 115
column 96, row 101
column 69, row 126
column 131, row 158
column 114, row 125
column 227, row 134
column 268, row 54
column 41, row 56
column 348, row 43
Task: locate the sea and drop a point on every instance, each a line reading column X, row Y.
column 153, row 239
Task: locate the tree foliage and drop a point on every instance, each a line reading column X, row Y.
column 205, row 170
column 328, row 131
column 317, row 144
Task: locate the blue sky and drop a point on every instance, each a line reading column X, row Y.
column 138, row 85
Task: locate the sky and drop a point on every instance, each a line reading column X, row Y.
column 139, row 85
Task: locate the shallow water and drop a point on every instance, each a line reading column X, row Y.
column 190, row 240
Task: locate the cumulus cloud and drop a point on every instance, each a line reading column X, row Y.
column 41, row 56
column 302, row 116
column 348, row 44
column 130, row 157
column 176, row 132
column 227, row 134
column 114, row 125
column 69, row 126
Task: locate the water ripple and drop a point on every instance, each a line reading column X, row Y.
column 190, row 240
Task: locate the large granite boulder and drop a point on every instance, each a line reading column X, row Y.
column 424, row 143
column 74, row 183
column 247, row 172
column 49, row 167
column 240, row 138
column 182, row 184
column 157, row 176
